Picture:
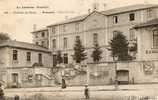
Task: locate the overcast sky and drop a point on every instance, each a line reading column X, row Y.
column 19, row 26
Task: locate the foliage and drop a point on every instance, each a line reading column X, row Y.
column 4, row 36
column 119, row 47
column 59, row 57
column 79, row 51
column 96, row 54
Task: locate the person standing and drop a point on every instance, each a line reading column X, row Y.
column 86, row 92
column 63, row 84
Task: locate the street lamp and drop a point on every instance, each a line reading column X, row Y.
column 116, row 81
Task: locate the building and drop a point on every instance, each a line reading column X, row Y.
column 96, row 26
column 147, row 40
column 25, row 65
column 40, row 37
column 137, row 22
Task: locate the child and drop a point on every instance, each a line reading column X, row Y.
column 86, row 92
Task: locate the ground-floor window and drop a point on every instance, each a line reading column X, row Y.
column 54, row 60
column 65, row 58
column 155, row 39
column 15, row 77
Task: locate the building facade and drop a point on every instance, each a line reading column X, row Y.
column 25, row 65
column 96, row 27
column 137, row 22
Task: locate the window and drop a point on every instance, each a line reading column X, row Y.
column 77, row 37
column 54, row 43
column 28, row 55
column 37, row 43
column 14, row 77
column 42, row 43
column 53, row 30
column 95, row 38
column 77, row 27
column 64, row 28
column 15, row 55
column 132, row 35
column 54, row 60
column 155, row 38
column 40, row 58
column 115, row 33
column 150, row 13
column 43, row 34
column 115, row 19
column 65, row 59
column 65, row 42
column 132, row 17
column 36, row 36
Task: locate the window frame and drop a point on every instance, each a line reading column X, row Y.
column 65, row 58
column 40, row 58
column 155, row 39
column 95, row 38
column 43, row 34
column 15, row 55
column 131, row 16
column 65, row 45
column 115, row 19
column 54, row 41
column 28, row 56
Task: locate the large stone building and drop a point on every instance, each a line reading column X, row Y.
column 97, row 26
column 25, row 65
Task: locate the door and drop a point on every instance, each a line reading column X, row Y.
column 123, row 76
column 15, row 79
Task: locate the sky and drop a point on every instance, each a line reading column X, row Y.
column 20, row 26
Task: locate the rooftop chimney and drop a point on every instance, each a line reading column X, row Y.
column 89, row 11
column 34, row 27
column 104, row 6
column 95, row 6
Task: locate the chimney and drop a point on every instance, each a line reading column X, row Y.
column 89, row 11
column 104, row 6
column 95, row 6
column 34, row 27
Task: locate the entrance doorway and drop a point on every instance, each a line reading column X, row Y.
column 123, row 76
column 15, row 79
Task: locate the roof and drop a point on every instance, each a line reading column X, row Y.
column 129, row 8
column 40, row 30
column 148, row 23
column 108, row 12
column 23, row 45
column 74, row 19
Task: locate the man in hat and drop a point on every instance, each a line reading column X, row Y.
column 86, row 92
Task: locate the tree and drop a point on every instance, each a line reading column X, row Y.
column 4, row 36
column 119, row 46
column 79, row 51
column 59, row 57
column 96, row 54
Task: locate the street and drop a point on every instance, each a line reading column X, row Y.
column 125, row 92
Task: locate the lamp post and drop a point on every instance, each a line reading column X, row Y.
column 116, row 81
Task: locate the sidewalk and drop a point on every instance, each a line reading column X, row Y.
column 92, row 88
